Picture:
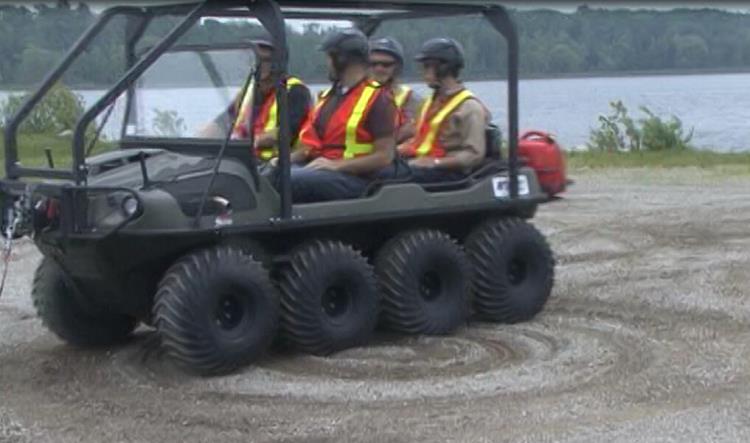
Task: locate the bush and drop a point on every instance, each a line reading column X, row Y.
column 659, row 135
column 168, row 123
column 58, row 111
column 618, row 132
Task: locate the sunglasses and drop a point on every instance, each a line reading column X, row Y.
column 430, row 64
column 383, row 64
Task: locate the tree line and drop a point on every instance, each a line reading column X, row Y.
column 588, row 41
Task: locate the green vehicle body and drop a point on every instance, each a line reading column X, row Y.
column 116, row 222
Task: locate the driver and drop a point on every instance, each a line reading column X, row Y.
column 265, row 108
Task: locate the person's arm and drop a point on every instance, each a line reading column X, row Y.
column 218, row 126
column 404, row 148
column 472, row 122
column 466, row 131
column 381, row 157
column 210, row 130
column 299, row 155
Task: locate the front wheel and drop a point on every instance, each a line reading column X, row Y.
column 216, row 310
column 58, row 303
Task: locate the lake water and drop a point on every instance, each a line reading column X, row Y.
column 717, row 106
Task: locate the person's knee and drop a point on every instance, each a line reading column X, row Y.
column 317, row 185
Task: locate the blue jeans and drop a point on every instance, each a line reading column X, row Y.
column 317, row 185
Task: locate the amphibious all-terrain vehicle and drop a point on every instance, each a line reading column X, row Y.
column 185, row 235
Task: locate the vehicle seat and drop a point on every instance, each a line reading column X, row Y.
column 493, row 162
column 494, row 137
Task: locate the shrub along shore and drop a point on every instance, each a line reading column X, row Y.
column 619, row 141
column 32, row 146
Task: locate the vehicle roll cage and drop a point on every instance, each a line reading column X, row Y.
column 271, row 14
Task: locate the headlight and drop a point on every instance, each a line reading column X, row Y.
column 130, row 206
column 106, row 209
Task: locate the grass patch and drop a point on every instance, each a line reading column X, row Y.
column 31, row 150
column 31, row 153
column 659, row 159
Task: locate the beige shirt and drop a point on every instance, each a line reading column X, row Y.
column 463, row 135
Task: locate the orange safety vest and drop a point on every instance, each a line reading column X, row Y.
column 267, row 119
column 345, row 135
column 400, row 98
column 427, row 140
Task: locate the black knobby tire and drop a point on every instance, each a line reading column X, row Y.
column 528, row 212
column 329, row 298
column 425, row 280
column 58, row 304
column 514, row 270
column 216, row 310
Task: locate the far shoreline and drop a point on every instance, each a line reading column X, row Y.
column 474, row 78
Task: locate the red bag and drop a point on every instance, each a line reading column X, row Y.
column 540, row 151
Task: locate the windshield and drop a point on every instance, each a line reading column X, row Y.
column 187, row 90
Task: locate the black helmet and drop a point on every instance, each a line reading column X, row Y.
column 445, row 50
column 349, row 42
column 390, row 46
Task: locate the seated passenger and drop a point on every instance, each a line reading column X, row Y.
column 450, row 138
column 386, row 66
column 265, row 109
column 349, row 138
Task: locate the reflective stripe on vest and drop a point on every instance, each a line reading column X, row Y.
column 272, row 122
column 353, row 148
column 428, row 140
column 402, row 96
column 273, row 113
column 348, row 130
column 271, row 119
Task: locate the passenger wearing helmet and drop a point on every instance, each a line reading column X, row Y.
column 386, row 67
column 265, row 108
column 349, row 137
column 450, row 138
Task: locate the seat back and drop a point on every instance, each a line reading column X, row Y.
column 494, row 142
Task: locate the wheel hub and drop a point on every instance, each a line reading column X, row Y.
column 517, row 271
column 336, row 301
column 230, row 313
column 430, row 286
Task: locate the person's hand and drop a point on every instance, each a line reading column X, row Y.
column 323, row 163
column 403, row 149
column 265, row 140
column 210, row 130
column 423, row 162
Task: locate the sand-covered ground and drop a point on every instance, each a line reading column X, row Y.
column 646, row 338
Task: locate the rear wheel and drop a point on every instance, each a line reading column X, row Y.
column 216, row 310
column 329, row 298
column 59, row 304
column 513, row 270
column 425, row 281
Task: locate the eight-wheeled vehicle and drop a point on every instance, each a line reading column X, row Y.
column 185, row 235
